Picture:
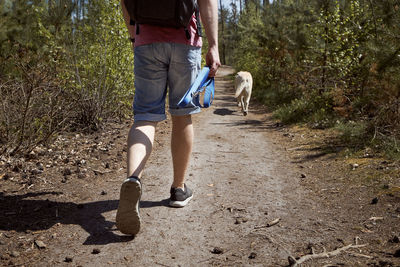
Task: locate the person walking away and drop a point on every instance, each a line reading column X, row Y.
column 164, row 57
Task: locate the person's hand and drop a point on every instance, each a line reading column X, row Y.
column 212, row 60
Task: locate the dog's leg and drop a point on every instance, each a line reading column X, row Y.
column 246, row 103
column 243, row 105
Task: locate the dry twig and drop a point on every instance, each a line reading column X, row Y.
column 293, row 262
column 271, row 223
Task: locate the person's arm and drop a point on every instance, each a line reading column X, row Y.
column 127, row 19
column 209, row 17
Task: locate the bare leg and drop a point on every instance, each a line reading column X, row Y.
column 181, row 147
column 140, row 144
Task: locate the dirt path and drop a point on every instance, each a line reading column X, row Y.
column 242, row 180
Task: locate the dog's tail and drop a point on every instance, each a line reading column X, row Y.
column 240, row 83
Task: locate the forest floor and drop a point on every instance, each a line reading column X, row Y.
column 263, row 192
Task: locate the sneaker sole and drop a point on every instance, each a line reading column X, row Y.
column 180, row 204
column 128, row 218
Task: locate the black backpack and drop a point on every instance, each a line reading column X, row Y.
column 164, row 13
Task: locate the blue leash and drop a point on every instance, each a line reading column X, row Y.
column 202, row 83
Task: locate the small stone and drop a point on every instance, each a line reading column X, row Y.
column 240, row 220
column 40, row 244
column 67, row 171
column 355, row 166
column 40, row 166
column 374, row 200
column 96, row 251
column 15, row 254
column 394, row 239
column 36, row 171
column 303, row 175
column 217, row 250
column 252, row 255
column 16, row 168
column 81, row 175
column 385, row 186
column 32, row 155
column 68, row 259
column 368, row 226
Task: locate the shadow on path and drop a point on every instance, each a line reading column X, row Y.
column 151, row 204
column 223, row 111
column 21, row 214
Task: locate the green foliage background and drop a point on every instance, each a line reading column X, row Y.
column 322, row 62
column 68, row 65
column 64, row 65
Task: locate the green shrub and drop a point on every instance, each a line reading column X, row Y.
column 354, row 133
column 297, row 111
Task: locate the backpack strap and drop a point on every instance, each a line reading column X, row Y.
column 198, row 23
column 187, row 33
column 133, row 23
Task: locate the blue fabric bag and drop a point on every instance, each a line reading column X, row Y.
column 202, row 83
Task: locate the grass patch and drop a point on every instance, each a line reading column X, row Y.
column 353, row 133
column 296, row 111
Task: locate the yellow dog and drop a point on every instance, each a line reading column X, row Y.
column 243, row 87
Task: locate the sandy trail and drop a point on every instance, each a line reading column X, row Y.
column 241, row 181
